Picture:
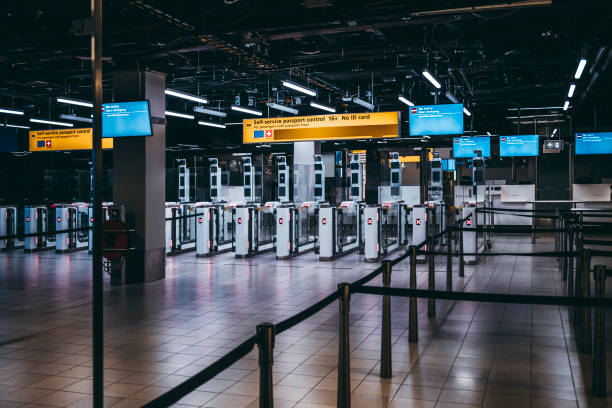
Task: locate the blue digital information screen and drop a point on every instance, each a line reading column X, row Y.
column 517, row 146
column 465, row 146
column 436, row 120
column 594, row 143
column 124, row 119
column 448, row 164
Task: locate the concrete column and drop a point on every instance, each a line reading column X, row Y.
column 303, row 166
column 139, row 176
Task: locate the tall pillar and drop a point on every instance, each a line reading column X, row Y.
column 424, row 175
column 139, row 165
column 373, row 176
column 303, row 166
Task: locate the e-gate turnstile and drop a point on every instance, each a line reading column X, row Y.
column 319, row 178
column 383, row 229
column 214, row 230
column 254, row 228
column 296, row 229
column 9, row 218
column 469, row 237
column 419, row 226
column 38, row 219
column 173, row 240
column 340, row 230
column 74, row 219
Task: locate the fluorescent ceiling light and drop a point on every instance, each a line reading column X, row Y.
column 75, row 118
column 566, row 105
column 282, row 108
column 50, row 122
column 180, row 115
column 299, row 88
column 322, row 107
column 466, row 111
column 572, row 88
column 363, row 103
column 554, row 132
column 537, row 108
column 14, row 126
column 246, row 110
column 211, row 112
column 71, row 101
column 212, row 124
column 488, row 133
column 241, row 154
column 11, row 111
column 404, row 100
column 431, row 79
column 580, row 68
column 187, row 96
column 451, row 97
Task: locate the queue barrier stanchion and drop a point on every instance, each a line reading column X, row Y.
column 570, row 263
column 344, row 359
column 578, row 280
column 431, row 280
column 265, row 343
column 598, row 388
column 586, row 310
column 461, row 260
column 449, row 261
column 385, row 338
column 413, row 325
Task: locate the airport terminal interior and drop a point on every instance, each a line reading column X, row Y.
column 306, row 204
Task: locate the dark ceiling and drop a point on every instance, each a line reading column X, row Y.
column 513, row 54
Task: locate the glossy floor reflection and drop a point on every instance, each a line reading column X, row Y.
column 159, row 334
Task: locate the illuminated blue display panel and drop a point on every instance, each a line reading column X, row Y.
column 594, row 143
column 465, row 146
column 517, row 146
column 436, row 120
column 448, row 164
column 124, row 119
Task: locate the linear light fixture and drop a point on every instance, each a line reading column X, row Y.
column 187, row 96
column 572, row 88
column 75, row 118
column 537, row 108
column 282, row 108
column 14, row 126
column 211, row 112
column 9, row 111
column 299, row 88
column 246, row 110
column 466, row 111
column 322, row 107
column 71, row 101
column 580, row 68
column 566, row 105
column 363, row 103
column 403, row 99
column 451, row 97
column 180, row 115
column 50, row 122
column 212, row 124
column 431, row 79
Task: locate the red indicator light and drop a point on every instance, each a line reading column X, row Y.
column 370, row 221
column 280, row 221
column 239, row 220
column 200, row 220
column 27, row 219
column 417, row 221
column 324, row 221
column 59, row 219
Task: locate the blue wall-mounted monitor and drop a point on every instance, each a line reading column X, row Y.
column 594, row 143
column 519, row 146
column 448, row 164
column 125, row 119
column 465, row 146
column 430, row 120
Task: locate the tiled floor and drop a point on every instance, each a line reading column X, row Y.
column 159, row 334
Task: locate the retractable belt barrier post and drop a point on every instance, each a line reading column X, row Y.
column 413, row 326
column 461, row 259
column 586, row 319
column 578, row 275
column 431, row 281
column 570, row 263
column 344, row 359
column 385, row 338
column 598, row 387
column 265, row 343
column 449, row 261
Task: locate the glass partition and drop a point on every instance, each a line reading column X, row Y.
column 267, row 225
column 308, row 223
column 347, row 220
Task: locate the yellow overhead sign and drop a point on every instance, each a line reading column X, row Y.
column 64, row 139
column 374, row 125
